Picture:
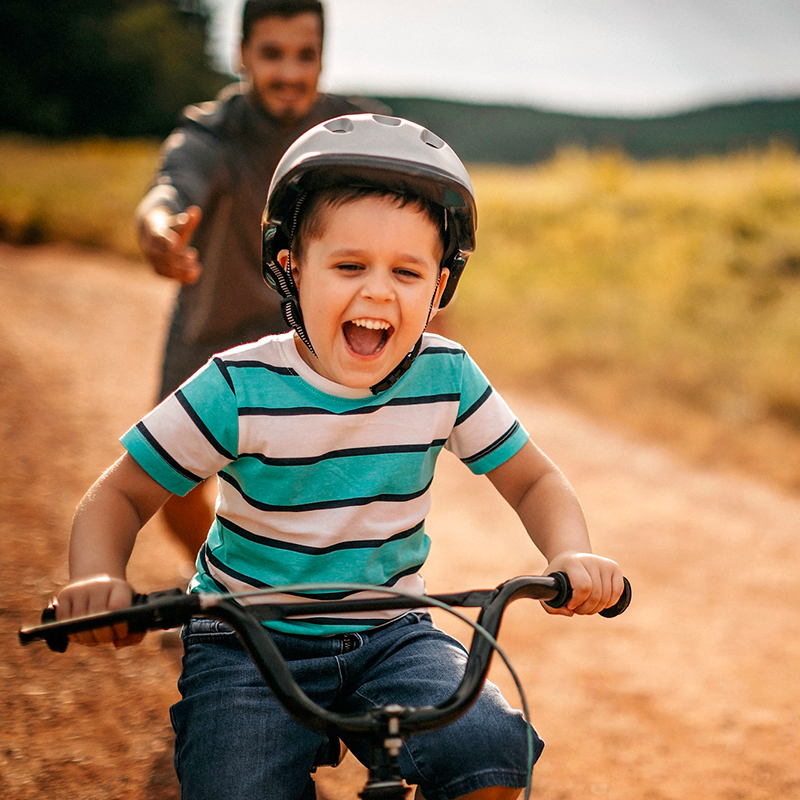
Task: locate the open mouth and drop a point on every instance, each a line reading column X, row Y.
column 367, row 337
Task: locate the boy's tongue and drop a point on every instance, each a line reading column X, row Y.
column 364, row 341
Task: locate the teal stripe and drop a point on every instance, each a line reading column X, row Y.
column 154, row 465
column 258, row 388
column 212, row 400
column 336, row 479
column 275, row 566
column 499, row 456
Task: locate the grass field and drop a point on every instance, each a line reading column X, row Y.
column 662, row 295
column 83, row 192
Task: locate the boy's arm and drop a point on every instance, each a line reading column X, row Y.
column 104, row 530
column 546, row 503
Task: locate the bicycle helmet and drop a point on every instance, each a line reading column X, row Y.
column 369, row 150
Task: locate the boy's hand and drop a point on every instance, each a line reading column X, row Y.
column 93, row 596
column 164, row 239
column 596, row 583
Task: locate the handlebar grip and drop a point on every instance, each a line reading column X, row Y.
column 565, row 593
column 56, row 641
column 564, row 588
column 165, row 609
column 621, row 604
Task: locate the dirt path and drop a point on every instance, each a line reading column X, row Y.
column 694, row 692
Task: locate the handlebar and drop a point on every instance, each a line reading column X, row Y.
column 169, row 609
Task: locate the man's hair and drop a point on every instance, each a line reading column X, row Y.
column 254, row 10
column 311, row 220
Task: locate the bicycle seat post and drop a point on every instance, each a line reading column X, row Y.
column 385, row 781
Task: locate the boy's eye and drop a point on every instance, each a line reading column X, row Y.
column 408, row 273
column 349, row 267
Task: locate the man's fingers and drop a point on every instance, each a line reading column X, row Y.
column 181, row 266
column 186, row 223
column 165, row 244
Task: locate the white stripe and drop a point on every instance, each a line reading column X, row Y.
column 482, row 428
column 325, row 527
column 180, row 437
column 305, row 436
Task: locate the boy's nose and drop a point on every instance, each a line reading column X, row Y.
column 378, row 286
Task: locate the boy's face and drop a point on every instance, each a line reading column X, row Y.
column 283, row 59
column 365, row 287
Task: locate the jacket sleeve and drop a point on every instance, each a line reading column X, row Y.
column 188, row 166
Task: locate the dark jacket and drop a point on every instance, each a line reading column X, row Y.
column 221, row 158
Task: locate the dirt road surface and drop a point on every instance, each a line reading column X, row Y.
column 694, row 692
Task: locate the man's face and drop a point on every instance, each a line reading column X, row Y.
column 283, row 59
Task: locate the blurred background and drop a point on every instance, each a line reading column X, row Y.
column 635, row 163
column 636, row 283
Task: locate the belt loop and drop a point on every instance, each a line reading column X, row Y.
column 350, row 641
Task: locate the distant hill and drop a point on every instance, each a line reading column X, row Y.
column 515, row 134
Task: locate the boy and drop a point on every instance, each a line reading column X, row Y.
column 324, row 441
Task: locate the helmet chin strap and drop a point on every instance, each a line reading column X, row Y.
column 403, row 367
column 290, row 306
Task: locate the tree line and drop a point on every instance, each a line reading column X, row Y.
column 102, row 67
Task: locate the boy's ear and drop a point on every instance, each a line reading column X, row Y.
column 444, row 275
column 283, row 260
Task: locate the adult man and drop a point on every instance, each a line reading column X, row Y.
column 199, row 223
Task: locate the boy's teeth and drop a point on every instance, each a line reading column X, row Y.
column 372, row 324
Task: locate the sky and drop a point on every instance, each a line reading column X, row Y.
column 599, row 57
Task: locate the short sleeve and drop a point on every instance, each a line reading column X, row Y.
column 486, row 432
column 191, row 435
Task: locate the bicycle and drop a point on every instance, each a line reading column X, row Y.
column 385, row 727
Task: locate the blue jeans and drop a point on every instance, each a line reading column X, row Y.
column 235, row 742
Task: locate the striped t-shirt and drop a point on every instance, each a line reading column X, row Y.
column 320, row 483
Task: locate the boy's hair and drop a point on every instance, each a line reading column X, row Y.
column 254, row 10
column 311, row 220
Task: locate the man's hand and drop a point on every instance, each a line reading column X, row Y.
column 597, row 583
column 164, row 238
column 93, row 596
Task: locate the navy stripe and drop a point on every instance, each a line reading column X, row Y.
column 315, row 551
column 201, row 426
column 493, row 446
column 232, row 573
column 324, row 504
column 299, row 411
column 221, row 366
column 455, row 351
column 345, row 453
column 205, row 555
column 475, row 406
column 142, row 428
column 260, row 365
column 250, row 581
column 428, row 399
column 366, row 621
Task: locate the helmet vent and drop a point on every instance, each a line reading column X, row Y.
column 341, row 125
column 392, row 121
column 431, row 139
